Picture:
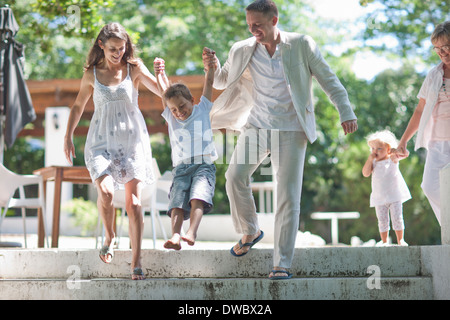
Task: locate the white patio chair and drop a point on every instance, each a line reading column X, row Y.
column 9, row 183
column 160, row 202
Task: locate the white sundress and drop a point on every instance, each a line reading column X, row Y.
column 388, row 185
column 118, row 142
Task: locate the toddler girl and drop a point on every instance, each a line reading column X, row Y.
column 389, row 189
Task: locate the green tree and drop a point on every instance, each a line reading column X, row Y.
column 411, row 22
column 56, row 34
column 59, row 33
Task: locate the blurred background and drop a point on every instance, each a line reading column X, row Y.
column 380, row 50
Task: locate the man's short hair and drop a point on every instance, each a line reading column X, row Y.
column 267, row 7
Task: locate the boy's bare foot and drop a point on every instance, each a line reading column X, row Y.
column 190, row 239
column 173, row 243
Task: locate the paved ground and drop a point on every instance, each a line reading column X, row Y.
column 89, row 243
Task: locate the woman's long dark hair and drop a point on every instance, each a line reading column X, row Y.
column 111, row 30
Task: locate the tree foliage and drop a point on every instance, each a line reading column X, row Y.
column 410, row 22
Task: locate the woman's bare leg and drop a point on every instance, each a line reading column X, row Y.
column 133, row 190
column 105, row 190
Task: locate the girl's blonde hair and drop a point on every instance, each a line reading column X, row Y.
column 111, row 30
column 384, row 136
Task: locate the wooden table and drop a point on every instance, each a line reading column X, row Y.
column 59, row 174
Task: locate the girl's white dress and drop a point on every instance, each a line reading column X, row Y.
column 118, row 142
column 388, row 185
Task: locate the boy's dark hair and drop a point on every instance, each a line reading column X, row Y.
column 176, row 90
column 267, row 7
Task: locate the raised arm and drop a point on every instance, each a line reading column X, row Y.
column 221, row 73
column 368, row 166
column 161, row 77
column 209, row 76
column 86, row 90
column 142, row 75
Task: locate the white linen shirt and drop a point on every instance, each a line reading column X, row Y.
column 272, row 103
column 388, row 185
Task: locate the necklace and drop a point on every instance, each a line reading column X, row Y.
column 443, row 84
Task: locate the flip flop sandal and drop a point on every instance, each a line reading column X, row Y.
column 137, row 272
column 248, row 244
column 107, row 250
column 274, row 277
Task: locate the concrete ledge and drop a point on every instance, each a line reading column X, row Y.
column 436, row 261
column 444, row 180
column 308, row 262
column 218, row 289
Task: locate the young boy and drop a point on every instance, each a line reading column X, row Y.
column 193, row 153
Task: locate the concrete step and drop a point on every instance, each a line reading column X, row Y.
column 323, row 262
column 318, row 273
column 325, row 288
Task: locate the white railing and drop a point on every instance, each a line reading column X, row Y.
column 334, row 217
column 265, row 190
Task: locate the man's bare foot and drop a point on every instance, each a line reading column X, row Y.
column 242, row 250
column 173, row 243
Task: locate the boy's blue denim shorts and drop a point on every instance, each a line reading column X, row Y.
column 192, row 181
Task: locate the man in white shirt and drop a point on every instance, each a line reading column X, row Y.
column 267, row 80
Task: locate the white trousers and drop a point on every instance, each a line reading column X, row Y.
column 287, row 153
column 438, row 156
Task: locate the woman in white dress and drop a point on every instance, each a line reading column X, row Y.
column 117, row 150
